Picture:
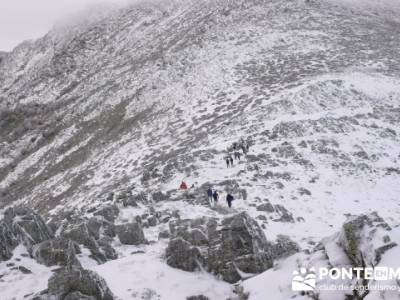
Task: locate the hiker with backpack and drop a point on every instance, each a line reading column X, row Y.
column 210, row 196
column 215, row 197
column 183, row 186
column 227, row 162
column 229, row 199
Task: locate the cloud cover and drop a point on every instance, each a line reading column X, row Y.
column 28, row 19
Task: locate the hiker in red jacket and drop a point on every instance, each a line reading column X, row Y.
column 183, row 186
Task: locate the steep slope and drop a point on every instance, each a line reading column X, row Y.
column 159, row 77
column 135, row 100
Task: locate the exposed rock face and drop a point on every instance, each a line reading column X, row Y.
column 21, row 224
column 364, row 239
column 152, row 221
column 71, row 284
column 57, row 252
column 285, row 215
column 182, row 255
column 284, row 247
column 87, row 233
column 131, row 234
column 361, row 243
column 110, row 213
column 238, row 246
column 267, row 207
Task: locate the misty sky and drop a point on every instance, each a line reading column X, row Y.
column 27, row 19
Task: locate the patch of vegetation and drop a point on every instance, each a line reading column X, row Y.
column 352, row 246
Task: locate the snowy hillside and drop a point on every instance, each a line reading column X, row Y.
column 101, row 120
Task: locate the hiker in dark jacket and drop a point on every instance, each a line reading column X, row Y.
column 215, row 196
column 210, row 195
column 229, row 199
column 227, row 162
column 231, row 160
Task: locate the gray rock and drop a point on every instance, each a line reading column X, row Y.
column 353, row 239
column 22, row 269
column 304, row 191
column 284, row 247
column 131, row 234
column 160, row 196
column 198, row 297
column 267, row 206
column 71, row 283
column 110, row 212
column 239, row 245
column 21, row 225
column 152, row 221
column 196, row 237
column 182, row 255
column 262, row 218
column 163, row 235
column 87, row 234
column 285, row 215
column 57, row 251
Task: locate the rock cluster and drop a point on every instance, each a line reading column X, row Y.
column 71, row 281
column 233, row 249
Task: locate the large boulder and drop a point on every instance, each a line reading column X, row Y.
column 131, row 234
column 284, row 247
column 87, row 233
column 109, row 212
column 240, row 246
column 77, row 282
column 182, row 255
column 230, row 249
column 57, row 251
column 21, row 225
column 362, row 239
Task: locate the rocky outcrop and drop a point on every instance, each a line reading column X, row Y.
column 72, row 282
column 239, row 246
column 232, row 249
column 21, row 225
column 110, row 213
column 131, row 234
column 284, row 247
column 363, row 239
column 182, row 255
column 78, row 284
column 95, row 234
column 57, row 251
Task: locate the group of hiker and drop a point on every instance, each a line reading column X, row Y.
column 213, row 197
column 235, row 148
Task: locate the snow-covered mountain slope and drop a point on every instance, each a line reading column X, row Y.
column 134, row 100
